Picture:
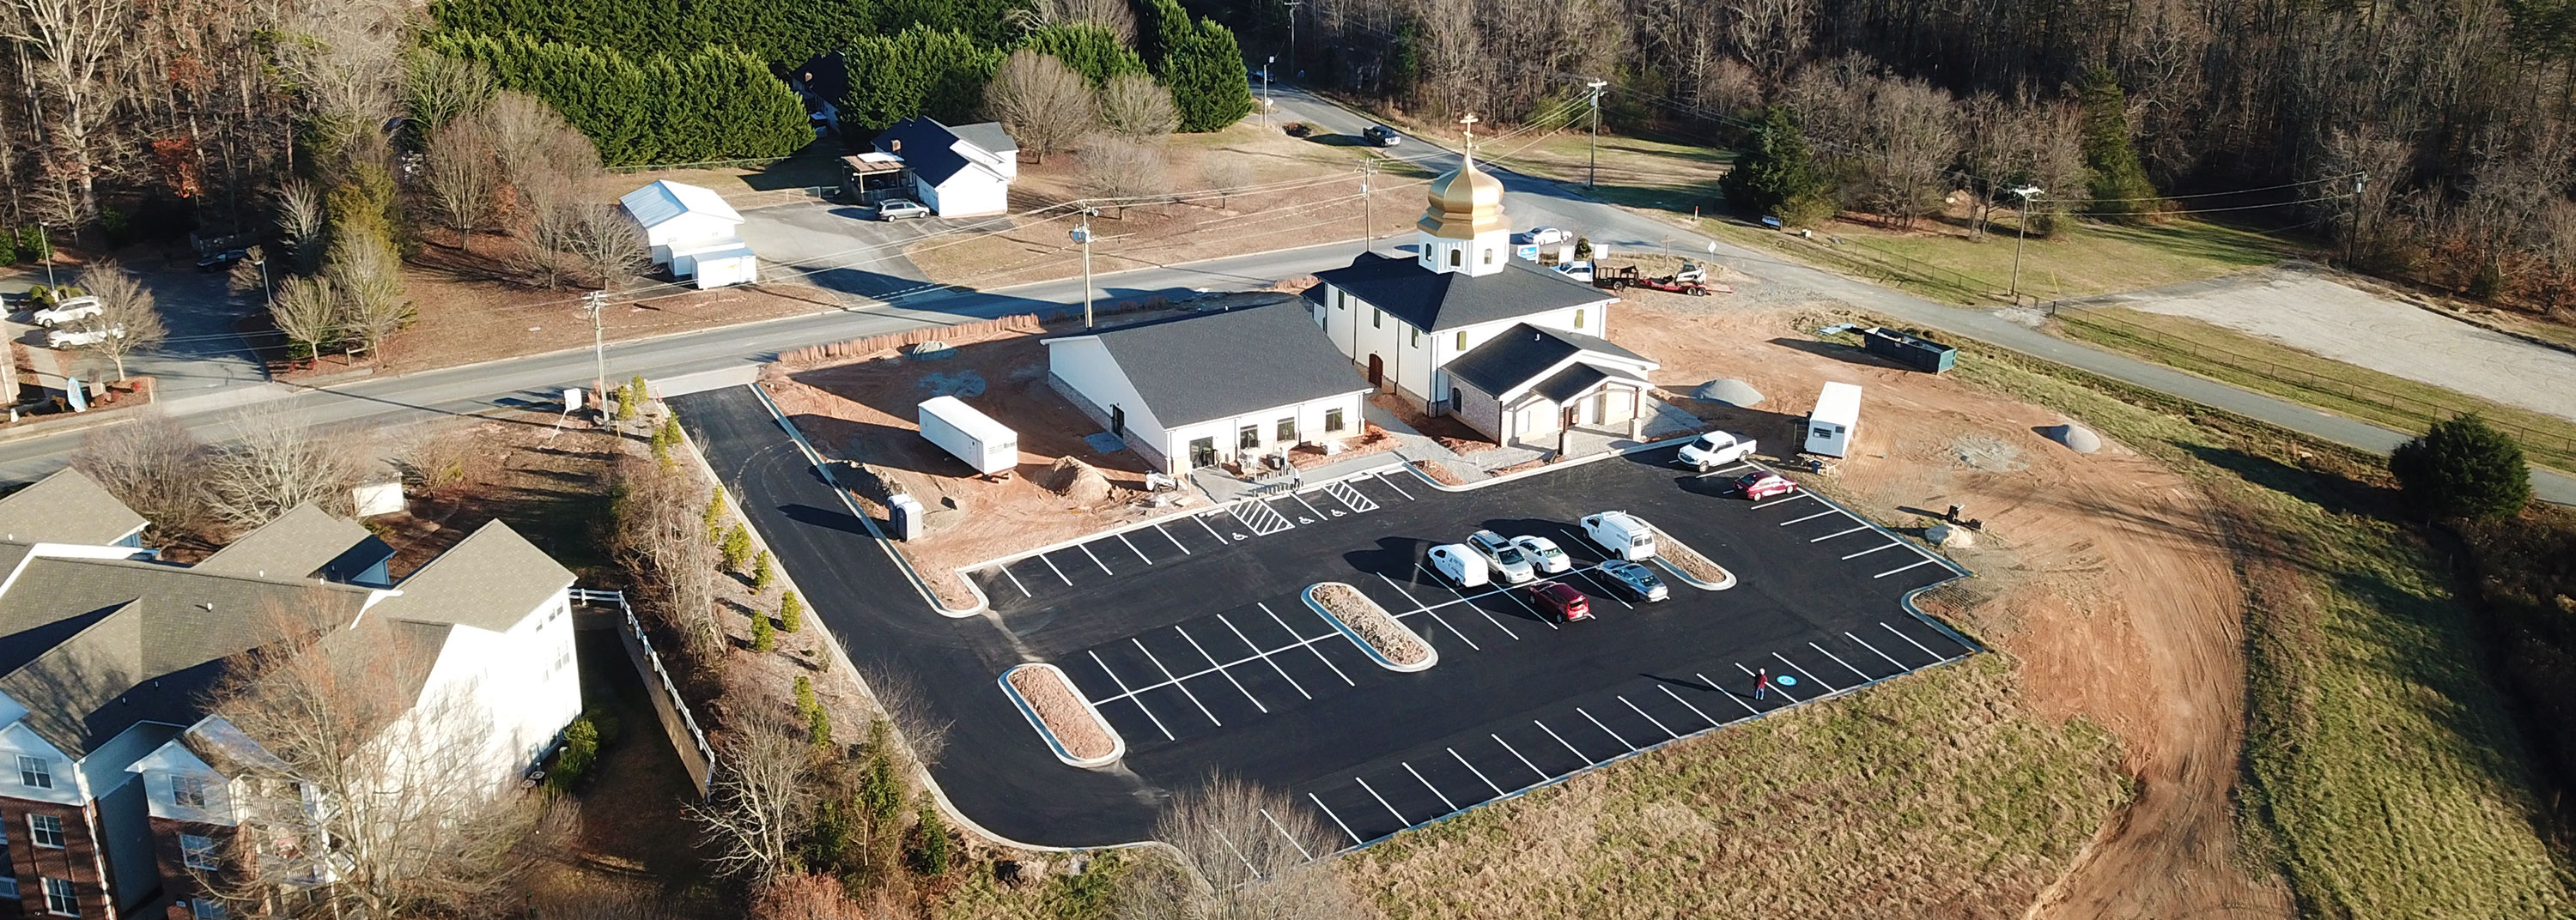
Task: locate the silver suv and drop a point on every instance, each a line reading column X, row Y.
column 1509, row 562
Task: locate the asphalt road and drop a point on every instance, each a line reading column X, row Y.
column 1192, row 638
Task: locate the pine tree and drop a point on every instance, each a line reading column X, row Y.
column 1087, row 49
column 736, row 547
column 805, row 695
column 2463, row 467
column 918, row 71
column 762, row 575
column 791, row 612
column 1775, row 176
column 1202, row 64
column 930, row 853
column 2119, row 183
column 715, row 515
column 763, row 636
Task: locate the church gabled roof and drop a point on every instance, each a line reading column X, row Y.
column 1434, row 301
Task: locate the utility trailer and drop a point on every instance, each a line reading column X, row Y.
column 969, row 435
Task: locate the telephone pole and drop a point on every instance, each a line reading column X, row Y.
column 1593, row 176
column 2026, row 192
column 1083, row 235
column 1368, row 231
column 2352, row 234
column 1265, row 96
column 595, row 303
column 1292, row 6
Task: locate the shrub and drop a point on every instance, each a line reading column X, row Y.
column 762, row 574
column 580, row 751
column 930, row 846
column 736, row 548
column 36, row 243
column 2463, row 467
column 714, row 517
column 764, row 637
column 791, row 612
column 626, row 404
column 8, row 249
column 805, row 701
column 818, row 728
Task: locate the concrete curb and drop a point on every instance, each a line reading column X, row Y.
column 1686, row 577
column 919, row 584
column 1117, row 743
column 1547, row 468
column 1347, row 632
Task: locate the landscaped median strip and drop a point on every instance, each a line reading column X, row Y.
column 1073, row 729
column 1687, row 564
column 1390, row 643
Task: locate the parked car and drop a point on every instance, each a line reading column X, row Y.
column 71, row 309
column 222, row 260
column 1544, row 236
column 1713, row 450
column 1543, row 554
column 1762, row 485
column 1505, row 558
column 1381, row 136
column 1561, row 600
column 1462, row 566
column 1635, row 580
column 81, row 338
column 1621, row 534
column 900, row 208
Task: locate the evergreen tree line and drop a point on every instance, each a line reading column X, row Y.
column 781, row 35
column 707, row 103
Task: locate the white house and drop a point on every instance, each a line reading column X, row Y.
column 693, row 232
column 964, row 171
column 1204, row 389
column 121, row 778
column 1408, row 322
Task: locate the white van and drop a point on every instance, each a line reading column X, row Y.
column 1621, row 534
column 1460, row 564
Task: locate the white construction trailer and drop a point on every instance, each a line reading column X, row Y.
column 1837, row 415
column 969, row 435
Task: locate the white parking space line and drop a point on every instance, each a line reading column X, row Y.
column 1435, row 790
column 1927, row 561
column 1596, row 723
column 1560, row 739
column 1319, row 653
column 1825, row 513
column 1874, row 549
column 1131, row 547
column 1794, row 496
column 1462, row 637
column 1126, row 694
column 1516, row 752
column 1480, row 774
column 1310, row 506
column 1229, row 675
column 1659, row 723
column 1775, row 685
column 1784, row 659
column 1838, row 659
column 1668, row 691
column 1730, row 694
column 1935, row 656
column 1723, row 470
column 1176, row 541
column 1382, row 480
column 1337, row 819
column 1283, row 832
column 1399, row 589
column 1095, row 560
column 1015, row 580
column 1525, row 605
column 1839, row 533
column 1202, row 519
column 1059, row 573
column 1265, row 656
column 1175, row 681
column 1381, row 800
column 1890, row 659
column 1606, row 590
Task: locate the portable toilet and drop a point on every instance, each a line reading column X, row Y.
column 1837, row 414
column 904, row 516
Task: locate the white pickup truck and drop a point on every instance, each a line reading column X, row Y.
column 1715, row 449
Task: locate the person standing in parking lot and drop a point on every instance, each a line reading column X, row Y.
column 1762, row 684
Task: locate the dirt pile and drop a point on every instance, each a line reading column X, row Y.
column 2076, row 437
column 1077, row 481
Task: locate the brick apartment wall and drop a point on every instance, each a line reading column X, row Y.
column 78, row 860
column 178, row 882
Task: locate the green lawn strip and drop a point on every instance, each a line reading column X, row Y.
column 2260, row 364
column 2383, row 775
column 1042, row 894
column 1910, row 798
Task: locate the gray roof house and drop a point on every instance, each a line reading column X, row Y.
column 1208, row 388
column 961, row 171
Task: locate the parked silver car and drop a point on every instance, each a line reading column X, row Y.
column 1635, row 580
column 1511, row 566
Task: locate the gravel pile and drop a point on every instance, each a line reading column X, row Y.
column 2077, row 438
column 1729, row 391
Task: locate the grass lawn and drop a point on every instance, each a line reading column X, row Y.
column 2262, row 365
column 2384, row 775
column 1913, row 799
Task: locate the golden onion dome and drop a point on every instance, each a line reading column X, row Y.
column 1463, row 203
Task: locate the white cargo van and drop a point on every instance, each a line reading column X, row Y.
column 1837, row 415
column 1460, row 564
column 1621, row 534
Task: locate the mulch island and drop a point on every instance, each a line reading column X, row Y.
column 1688, row 560
column 1066, row 716
column 1391, row 639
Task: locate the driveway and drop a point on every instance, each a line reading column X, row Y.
column 202, row 352
column 843, row 248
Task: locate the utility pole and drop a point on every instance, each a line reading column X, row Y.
column 1292, row 6
column 2352, row 235
column 2026, row 192
column 1593, row 176
column 1265, row 93
column 1083, row 235
column 47, row 242
column 595, row 303
column 1368, row 231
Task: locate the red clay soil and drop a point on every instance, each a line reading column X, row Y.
column 1062, row 710
column 1438, row 472
column 1371, row 621
column 1446, row 429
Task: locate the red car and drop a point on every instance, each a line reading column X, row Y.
column 1562, row 601
column 1759, row 486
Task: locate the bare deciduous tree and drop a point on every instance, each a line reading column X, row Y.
column 1113, row 15
column 306, row 310
column 544, row 160
column 345, row 60
column 129, row 319
column 759, row 804
column 154, row 466
column 657, row 529
column 1044, row 104
column 439, row 89
column 1123, row 170
column 301, row 221
column 1134, row 105
column 1239, row 851
column 608, row 247
column 1913, row 138
column 272, row 468
column 68, row 43
column 367, row 276
column 804, row 896
column 1225, row 172
column 463, row 170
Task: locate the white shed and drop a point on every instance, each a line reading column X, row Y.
column 1837, row 415
column 674, row 215
column 715, row 263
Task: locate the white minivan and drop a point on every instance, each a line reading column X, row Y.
column 1462, row 565
column 1621, row 534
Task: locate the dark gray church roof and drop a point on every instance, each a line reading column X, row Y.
column 1523, row 352
column 1437, row 301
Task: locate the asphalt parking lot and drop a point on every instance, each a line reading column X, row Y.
column 1191, row 637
